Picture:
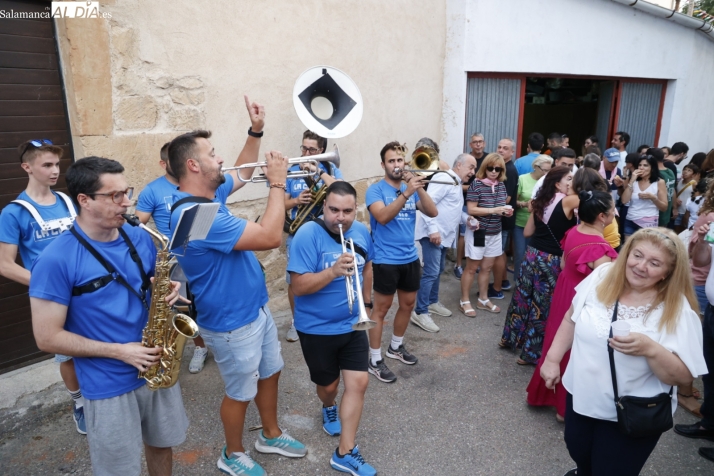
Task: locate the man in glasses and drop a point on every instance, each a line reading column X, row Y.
column 300, row 192
column 157, row 198
column 90, row 298
column 561, row 156
column 28, row 225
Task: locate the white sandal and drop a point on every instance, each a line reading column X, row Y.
column 484, row 305
column 467, row 311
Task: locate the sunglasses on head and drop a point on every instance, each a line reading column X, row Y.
column 35, row 143
column 494, row 169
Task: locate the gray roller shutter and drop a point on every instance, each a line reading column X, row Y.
column 639, row 111
column 492, row 109
column 604, row 108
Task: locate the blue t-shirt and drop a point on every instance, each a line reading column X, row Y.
column 313, row 250
column 18, row 227
column 110, row 314
column 393, row 242
column 295, row 186
column 524, row 165
column 212, row 267
column 157, row 199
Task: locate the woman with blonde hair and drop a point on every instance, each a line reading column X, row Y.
column 485, row 203
column 648, row 292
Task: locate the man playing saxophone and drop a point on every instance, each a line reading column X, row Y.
column 324, row 319
column 299, row 194
column 89, row 293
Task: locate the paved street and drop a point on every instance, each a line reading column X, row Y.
column 460, row 411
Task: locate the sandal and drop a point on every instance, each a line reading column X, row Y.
column 485, row 306
column 520, row 361
column 467, row 312
column 695, row 393
column 503, row 344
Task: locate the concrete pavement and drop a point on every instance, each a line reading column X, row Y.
column 460, row 411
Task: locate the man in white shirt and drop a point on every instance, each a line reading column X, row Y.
column 438, row 234
column 619, row 142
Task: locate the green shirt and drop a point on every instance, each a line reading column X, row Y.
column 525, row 189
column 670, row 181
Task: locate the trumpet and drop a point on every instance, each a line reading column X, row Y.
column 333, row 157
column 364, row 323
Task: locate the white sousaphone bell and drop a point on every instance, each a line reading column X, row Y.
column 327, row 102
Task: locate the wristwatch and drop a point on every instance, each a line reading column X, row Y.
column 369, row 305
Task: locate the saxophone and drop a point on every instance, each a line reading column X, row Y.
column 164, row 328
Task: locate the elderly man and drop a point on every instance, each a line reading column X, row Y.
column 436, row 235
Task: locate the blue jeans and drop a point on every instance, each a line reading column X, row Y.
column 701, row 298
column 434, row 259
column 707, row 409
column 520, row 243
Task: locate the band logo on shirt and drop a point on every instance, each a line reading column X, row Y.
column 42, row 235
column 169, row 201
column 329, row 259
column 408, row 210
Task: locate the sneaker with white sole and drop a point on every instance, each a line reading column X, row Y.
column 439, row 309
column 198, row 360
column 292, row 335
column 331, row 420
column 424, row 321
column 352, row 463
column 78, row 416
column 401, row 354
column 239, row 464
column 284, row 445
column 381, row 371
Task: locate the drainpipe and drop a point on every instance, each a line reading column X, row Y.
column 672, row 15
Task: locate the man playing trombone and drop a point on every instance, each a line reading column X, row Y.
column 325, row 313
column 299, row 194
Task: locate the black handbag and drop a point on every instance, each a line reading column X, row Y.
column 640, row 417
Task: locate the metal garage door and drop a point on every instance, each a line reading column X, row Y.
column 32, row 106
column 492, row 108
column 639, row 112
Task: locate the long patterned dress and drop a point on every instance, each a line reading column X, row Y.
column 579, row 250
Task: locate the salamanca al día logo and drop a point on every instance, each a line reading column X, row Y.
column 61, row 10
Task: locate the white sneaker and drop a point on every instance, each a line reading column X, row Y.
column 198, row 360
column 439, row 309
column 424, row 321
column 292, row 335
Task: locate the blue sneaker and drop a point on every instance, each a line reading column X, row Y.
column 506, row 285
column 493, row 294
column 79, row 420
column 352, row 463
column 239, row 464
column 458, row 271
column 331, row 421
column 284, row 445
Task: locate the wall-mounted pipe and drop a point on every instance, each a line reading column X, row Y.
column 672, row 15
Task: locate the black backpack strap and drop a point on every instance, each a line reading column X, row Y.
column 146, row 282
column 335, row 236
column 190, row 199
column 113, row 274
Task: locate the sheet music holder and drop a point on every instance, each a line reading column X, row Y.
column 193, row 224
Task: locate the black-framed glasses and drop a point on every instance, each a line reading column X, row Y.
column 494, row 169
column 545, row 171
column 309, row 150
column 117, row 197
column 36, row 143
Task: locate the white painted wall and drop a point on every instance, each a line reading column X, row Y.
column 584, row 37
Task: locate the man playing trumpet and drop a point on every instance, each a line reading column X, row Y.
column 392, row 207
column 318, row 268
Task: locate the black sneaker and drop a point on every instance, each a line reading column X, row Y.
column 381, row 371
column 401, row 354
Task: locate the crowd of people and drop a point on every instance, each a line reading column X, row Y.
column 561, row 218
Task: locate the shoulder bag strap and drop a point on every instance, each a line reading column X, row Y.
column 611, row 355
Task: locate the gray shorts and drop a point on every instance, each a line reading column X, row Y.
column 117, row 426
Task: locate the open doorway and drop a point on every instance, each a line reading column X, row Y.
column 576, row 107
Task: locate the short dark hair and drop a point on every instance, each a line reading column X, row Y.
column 564, row 152
column 633, row 159
column 182, row 148
column 693, row 167
column 679, row 148
column 321, row 141
column 592, row 204
column 340, row 187
column 395, row 146
column 29, row 152
column 593, row 149
column 698, row 159
column 83, row 176
column 555, row 136
column 536, row 141
column 656, row 153
column 624, row 137
column 643, row 148
column 164, row 154
column 594, row 139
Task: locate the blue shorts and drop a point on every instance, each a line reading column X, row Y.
column 288, row 241
column 59, row 358
column 246, row 355
column 631, row 227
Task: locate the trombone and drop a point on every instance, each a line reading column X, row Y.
column 364, row 323
column 333, row 157
column 426, row 159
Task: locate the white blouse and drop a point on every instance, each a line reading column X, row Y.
column 587, row 376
